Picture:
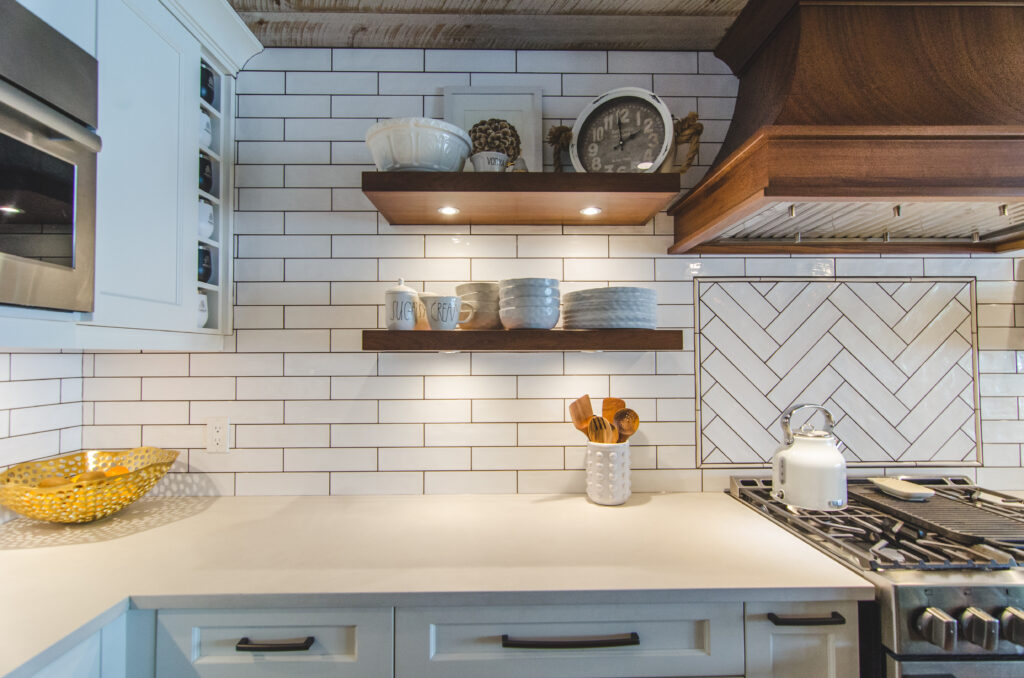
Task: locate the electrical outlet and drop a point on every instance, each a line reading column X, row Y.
column 217, row 434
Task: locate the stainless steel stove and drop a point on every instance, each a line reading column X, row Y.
column 948, row 572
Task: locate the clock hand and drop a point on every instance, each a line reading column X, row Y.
column 619, row 145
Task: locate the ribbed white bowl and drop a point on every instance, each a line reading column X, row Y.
column 418, row 144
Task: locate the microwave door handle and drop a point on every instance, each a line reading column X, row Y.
column 28, row 107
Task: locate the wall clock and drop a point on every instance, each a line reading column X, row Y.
column 625, row 130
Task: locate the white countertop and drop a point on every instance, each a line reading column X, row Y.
column 63, row 582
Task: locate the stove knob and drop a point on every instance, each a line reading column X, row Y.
column 1012, row 624
column 980, row 628
column 938, row 628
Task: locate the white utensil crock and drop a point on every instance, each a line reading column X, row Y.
column 809, row 471
column 489, row 161
column 608, row 473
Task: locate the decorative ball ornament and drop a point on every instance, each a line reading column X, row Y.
column 628, row 129
column 496, row 135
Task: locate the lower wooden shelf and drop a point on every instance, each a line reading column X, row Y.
column 523, row 340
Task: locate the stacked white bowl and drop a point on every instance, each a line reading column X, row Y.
column 611, row 308
column 529, row 303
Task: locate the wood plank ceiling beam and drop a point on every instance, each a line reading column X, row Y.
column 473, row 24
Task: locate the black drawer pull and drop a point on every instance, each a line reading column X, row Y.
column 835, row 620
column 616, row 640
column 246, row 645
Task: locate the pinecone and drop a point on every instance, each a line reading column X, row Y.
column 496, row 135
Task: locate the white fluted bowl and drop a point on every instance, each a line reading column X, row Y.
column 418, row 144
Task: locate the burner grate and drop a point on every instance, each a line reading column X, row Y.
column 954, row 519
column 871, row 538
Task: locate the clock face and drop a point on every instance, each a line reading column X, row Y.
column 625, row 134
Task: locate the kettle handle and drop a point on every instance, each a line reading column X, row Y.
column 787, row 432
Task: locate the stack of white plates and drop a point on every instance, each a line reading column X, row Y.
column 529, row 303
column 611, row 308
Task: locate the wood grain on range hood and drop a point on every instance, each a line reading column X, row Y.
column 895, row 102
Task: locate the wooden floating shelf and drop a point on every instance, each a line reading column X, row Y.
column 523, row 340
column 406, row 198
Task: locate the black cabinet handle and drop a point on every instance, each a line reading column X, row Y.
column 835, row 620
column 616, row 640
column 246, row 645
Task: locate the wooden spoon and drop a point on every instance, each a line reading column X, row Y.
column 601, row 430
column 626, row 422
column 581, row 412
column 609, row 406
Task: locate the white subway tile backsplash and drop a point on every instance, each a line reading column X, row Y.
column 330, row 83
column 470, row 246
column 515, row 458
column 260, row 82
column 330, row 459
column 188, row 388
column 283, row 106
column 272, row 199
column 358, row 59
column 290, row 59
column 550, row 84
column 469, row 434
column 652, row 62
column 412, row 411
column 569, row 386
column 420, row 83
column 532, row 410
column 259, row 129
column 377, row 483
column 470, row 59
column 312, row 413
column 378, row 388
column 282, row 388
column 594, row 85
column 21, row 366
column 271, row 435
column 45, row 418
column 29, row 393
column 465, row 482
column 135, row 412
column 316, row 132
column 376, row 435
column 424, row 458
column 282, row 484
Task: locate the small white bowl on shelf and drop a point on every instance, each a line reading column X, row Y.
column 418, row 144
column 529, row 317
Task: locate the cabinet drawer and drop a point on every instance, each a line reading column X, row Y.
column 202, row 643
column 673, row 640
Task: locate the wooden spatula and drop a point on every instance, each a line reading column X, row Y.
column 609, row 406
column 602, row 431
column 581, row 411
column 626, row 423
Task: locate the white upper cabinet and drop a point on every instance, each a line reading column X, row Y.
column 148, row 77
column 148, row 287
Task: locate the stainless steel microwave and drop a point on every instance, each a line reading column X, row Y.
column 48, row 150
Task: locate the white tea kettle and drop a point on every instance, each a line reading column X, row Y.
column 808, row 471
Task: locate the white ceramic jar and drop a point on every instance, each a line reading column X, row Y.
column 202, row 309
column 400, row 307
column 206, row 219
column 608, row 481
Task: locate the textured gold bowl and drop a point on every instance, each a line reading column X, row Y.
column 87, row 500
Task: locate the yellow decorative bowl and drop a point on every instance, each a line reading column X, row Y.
column 84, row 500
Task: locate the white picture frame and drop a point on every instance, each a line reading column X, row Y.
column 520, row 106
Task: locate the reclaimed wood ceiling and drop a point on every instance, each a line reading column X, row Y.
column 491, row 24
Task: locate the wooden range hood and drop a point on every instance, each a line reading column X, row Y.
column 867, row 126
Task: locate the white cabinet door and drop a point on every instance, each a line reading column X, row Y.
column 147, row 169
column 82, row 661
column 805, row 640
